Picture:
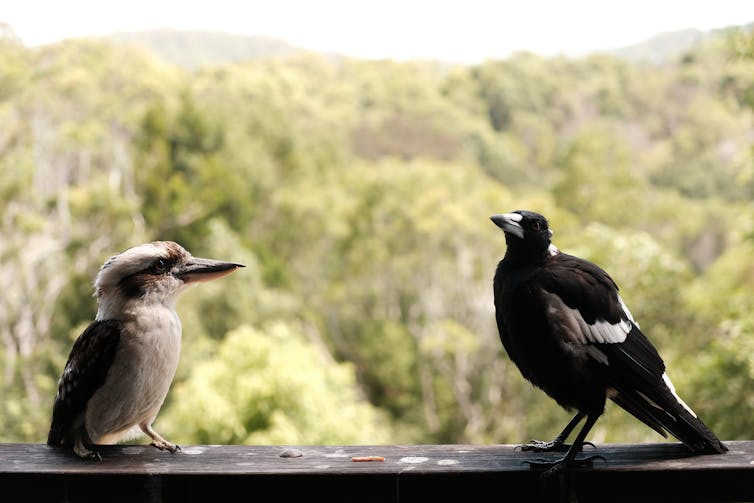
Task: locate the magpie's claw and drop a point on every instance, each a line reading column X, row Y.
column 541, row 446
column 553, row 467
column 538, row 463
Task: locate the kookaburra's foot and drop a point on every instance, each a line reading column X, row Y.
column 81, row 451
column 553, row 467
column 554, row 446
column 164, row 445
column 158, row 441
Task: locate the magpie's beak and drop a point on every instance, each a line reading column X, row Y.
column 509, row 222
column 204, row 269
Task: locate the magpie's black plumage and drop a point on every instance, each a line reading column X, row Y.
column 565, row 326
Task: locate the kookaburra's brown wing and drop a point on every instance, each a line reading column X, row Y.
column 90, row 359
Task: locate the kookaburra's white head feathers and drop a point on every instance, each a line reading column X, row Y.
column 154, row 272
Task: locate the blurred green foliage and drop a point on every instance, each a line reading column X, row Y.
column 272, row 386
column 358, row 195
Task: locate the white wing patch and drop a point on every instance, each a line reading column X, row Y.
column 579, row 331
column 624, row 307
column 672, row 390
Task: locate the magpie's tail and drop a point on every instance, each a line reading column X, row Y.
column 689, row 429
column 665, row 412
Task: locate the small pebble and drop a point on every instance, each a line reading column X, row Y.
column 291, row 453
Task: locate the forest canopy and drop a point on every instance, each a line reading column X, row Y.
column 358, row 195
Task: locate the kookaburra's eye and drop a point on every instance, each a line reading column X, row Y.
column 159, row 266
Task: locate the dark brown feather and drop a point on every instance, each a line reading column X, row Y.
column 85, row 371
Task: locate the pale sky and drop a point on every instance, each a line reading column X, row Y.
column 452, row 30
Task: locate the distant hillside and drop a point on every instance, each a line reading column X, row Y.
column 662, row 47
column 191, row 49
column 669, row 45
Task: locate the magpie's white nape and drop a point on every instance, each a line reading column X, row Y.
column 563, row 323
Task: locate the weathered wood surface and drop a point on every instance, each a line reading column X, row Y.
column 641, row 473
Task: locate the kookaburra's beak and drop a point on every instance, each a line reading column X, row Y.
column 204, row 269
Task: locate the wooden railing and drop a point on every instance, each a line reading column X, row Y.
column 409, row 473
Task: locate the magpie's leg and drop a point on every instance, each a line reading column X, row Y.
column 570, row 457
column 558, row 443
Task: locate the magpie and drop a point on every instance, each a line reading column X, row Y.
column 563, row 323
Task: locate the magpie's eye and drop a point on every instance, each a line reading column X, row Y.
column 536, row 226
column 159, row 266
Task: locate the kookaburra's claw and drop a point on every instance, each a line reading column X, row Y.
column 158, row 441
column 81, row 451
column 166, row 446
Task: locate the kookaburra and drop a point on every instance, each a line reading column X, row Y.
column 120, row 368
